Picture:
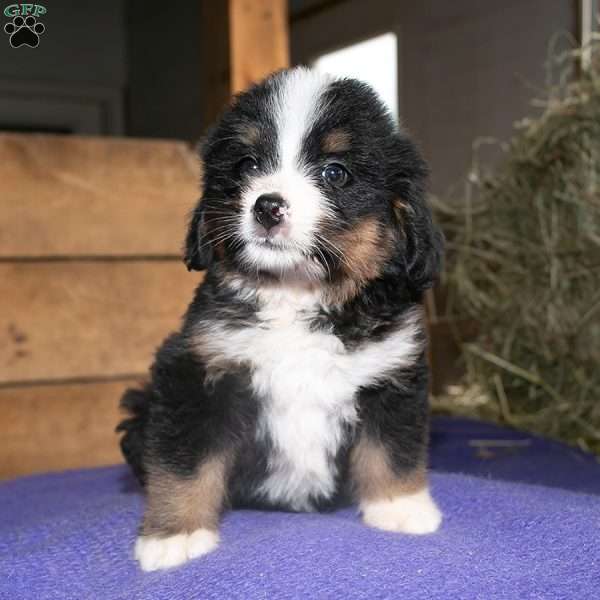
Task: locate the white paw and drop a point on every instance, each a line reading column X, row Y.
column 413, row 513
column 164, row 552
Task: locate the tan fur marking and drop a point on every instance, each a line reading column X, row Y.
column 249, row 134
column 400, row 209
column 337, row 140
column 366, row 248
column 374, row 478
column 182, row 505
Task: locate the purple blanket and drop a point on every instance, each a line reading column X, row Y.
column 71, row 535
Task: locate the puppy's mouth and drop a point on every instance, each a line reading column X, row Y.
column 281, row 246
column 267, row 242
column 279, row 256
column 276, row 238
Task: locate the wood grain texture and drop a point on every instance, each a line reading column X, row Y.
column 258, row 40
column 69, row 207
column 74, row 196
column 243, row 41
column 56, row 427
column 87, row 319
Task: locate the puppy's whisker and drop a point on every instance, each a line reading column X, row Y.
column 325, row 264
column 223, row 238
column 331, row 247
column 218, row 239
column 220, row 228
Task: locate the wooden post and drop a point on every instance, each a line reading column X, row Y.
column 258, row 40
column 243, row 41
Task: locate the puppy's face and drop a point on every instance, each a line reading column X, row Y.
column 308, row 175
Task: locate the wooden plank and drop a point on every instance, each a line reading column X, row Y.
column 56, row 427
column 72, row 196
column 243, row 42
column 258, row 32
column 87, row 319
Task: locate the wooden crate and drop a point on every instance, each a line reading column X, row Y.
column 91, row 280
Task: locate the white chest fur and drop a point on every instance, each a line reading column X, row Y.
column 307, row 381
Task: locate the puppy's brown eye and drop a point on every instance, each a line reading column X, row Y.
column 247, row 166
column 335, row 175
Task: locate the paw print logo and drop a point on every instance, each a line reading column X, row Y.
column 24, row 31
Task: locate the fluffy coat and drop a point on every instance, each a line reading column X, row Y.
column 298, row 378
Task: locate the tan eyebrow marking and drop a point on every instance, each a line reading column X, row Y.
column 336, row 140
column 249, row 134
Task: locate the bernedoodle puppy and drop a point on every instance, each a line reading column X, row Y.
column 298, row 379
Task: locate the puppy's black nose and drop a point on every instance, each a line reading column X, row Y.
column 269, row 210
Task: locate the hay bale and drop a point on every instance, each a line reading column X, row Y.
column 524, row 262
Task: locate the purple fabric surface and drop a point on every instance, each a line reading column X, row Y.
column 456, row 448
column 70, row 535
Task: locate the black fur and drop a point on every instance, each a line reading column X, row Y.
column 198, row 252
column 397, row 416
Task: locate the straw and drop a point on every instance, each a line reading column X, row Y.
column 523, row 263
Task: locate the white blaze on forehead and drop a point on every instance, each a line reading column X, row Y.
column 297, row 108
column 296, row 105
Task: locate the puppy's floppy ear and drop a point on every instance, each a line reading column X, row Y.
column 198, row 252
column 423, row 241
column 424, row 246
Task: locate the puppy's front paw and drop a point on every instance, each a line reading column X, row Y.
column 413, row 513
column 154, row 552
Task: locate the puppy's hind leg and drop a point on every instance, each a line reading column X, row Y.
column 182, row 514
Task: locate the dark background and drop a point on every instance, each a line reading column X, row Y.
column 468, row 68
